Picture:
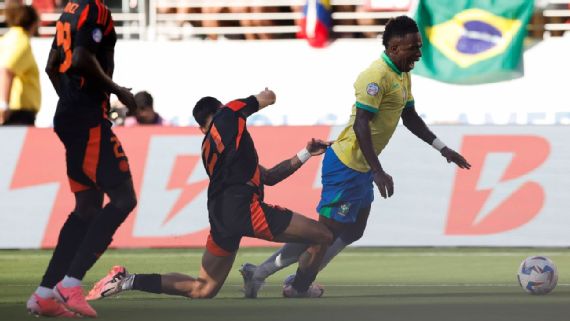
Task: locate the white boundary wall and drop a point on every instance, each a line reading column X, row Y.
column 314, row 86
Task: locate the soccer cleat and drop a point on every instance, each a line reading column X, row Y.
column 314, row 291
column 47, row 307
column 251, row 285
column 110, row 285
column 73, row 299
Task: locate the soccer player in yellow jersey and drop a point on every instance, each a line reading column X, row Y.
column 20, row 95
column 383, row 96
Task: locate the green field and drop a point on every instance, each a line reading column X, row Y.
column 361, row 284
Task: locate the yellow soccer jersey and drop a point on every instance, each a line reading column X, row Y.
column 16, row 56
column 385, row 91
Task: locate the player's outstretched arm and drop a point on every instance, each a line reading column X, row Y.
column 287, row 167
column 361, row 128
column 418, row 127
column 265, row 98
column 86, row 62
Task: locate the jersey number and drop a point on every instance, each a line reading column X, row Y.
column 63, row 39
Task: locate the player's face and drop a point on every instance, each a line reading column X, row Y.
column 405, row 51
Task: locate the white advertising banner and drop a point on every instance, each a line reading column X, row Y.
column 315, row 86
column 516, row 193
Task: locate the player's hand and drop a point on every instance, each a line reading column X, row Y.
column 127, row 98
column 453, row 156
column 265, row 98
column 317, row 146
column 384, row 182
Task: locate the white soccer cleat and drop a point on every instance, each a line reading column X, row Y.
column 110, row 285
column 251, row 285
column 314, row 290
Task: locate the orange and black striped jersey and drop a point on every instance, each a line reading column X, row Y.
column 228, row 151
column 87, row 24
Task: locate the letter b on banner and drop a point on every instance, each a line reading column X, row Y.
column 495, row 196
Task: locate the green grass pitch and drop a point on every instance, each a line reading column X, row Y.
column 459, row 284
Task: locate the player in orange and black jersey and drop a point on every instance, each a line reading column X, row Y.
column 80, row 67
column 235, row 204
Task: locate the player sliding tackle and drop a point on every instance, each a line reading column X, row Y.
column 383, row 96
column 235, row 204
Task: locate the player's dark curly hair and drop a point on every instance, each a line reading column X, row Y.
column 205, row 107
column 398, row 27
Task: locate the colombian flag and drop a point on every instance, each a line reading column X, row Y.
column 472, row 41
column 316, row 24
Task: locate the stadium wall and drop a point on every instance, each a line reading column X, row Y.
column 314, row 86
column 516, row 193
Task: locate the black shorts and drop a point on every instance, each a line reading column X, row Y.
column 20, row 117
column 239, row 212
column 94, row 157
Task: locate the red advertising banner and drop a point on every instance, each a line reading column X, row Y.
column 42, row 161
column 515, row 194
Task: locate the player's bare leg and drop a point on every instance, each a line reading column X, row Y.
column 305, row 230
column 302, row 229
column 350, row 234
column 213, row 274
column 254, row 276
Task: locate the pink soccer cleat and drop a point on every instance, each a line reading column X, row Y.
column 73, row 299
column 109, row 285
column 49, row 307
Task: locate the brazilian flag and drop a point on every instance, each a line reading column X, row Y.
column 472, row 41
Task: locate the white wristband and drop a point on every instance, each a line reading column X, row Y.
column 438, row 144
column 304, row 155
column 3, row 105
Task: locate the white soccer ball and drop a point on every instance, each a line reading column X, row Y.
column 537, row 275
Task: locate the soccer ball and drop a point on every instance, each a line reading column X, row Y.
column 537, row 275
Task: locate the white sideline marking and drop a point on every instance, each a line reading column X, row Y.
column 458, row 285
column 343, row 254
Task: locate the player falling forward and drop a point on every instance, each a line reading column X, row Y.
column 383, row 96
column 80, row 67
column 235, row 203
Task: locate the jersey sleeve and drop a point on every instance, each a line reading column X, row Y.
column 246, row 106
column 91, row 27
column 18, row 58
column 368, row 91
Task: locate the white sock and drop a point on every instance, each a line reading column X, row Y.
column 333, row 250
column 290, row 253
column 128, row 282
column 279, row 260
column 44, row 292
column 69, row 282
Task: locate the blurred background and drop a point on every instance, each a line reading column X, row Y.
column 493, row 84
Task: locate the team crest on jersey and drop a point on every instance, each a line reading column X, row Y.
column 372, row 89
column 344, row 208
column 97, row 35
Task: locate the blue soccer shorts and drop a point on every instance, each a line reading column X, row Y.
column 345, row 190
